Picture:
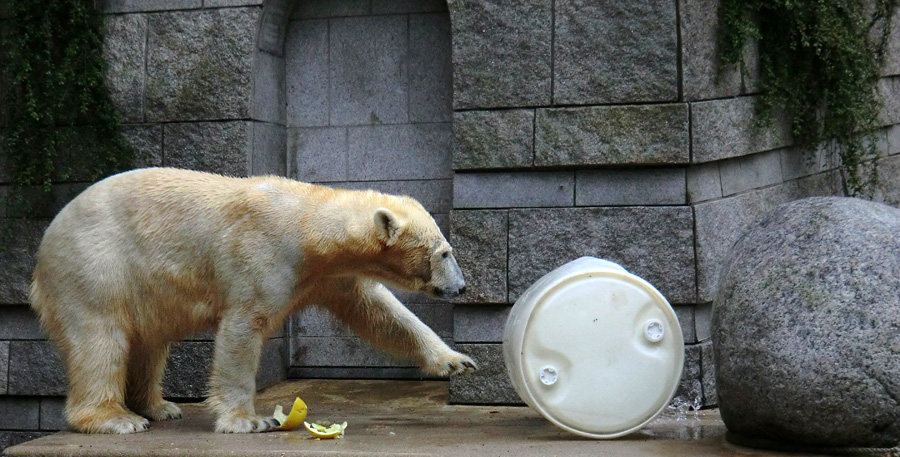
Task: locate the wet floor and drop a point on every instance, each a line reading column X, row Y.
column 395, row 418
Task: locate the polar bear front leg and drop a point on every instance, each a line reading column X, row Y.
column 233, row 379
column 375, row 314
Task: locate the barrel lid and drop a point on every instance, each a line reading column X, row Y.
column 602, row 351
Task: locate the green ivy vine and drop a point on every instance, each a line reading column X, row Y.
column 57, row 119
column 819, row 61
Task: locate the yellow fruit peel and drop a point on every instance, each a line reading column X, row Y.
column 326, row 430
column 293, row 419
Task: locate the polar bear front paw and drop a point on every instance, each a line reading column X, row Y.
column 256, row 424
column 453, row 364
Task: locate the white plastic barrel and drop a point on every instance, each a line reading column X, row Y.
column 595, row 349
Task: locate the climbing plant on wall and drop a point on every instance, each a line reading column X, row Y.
column 819, row 60
column 57, row 120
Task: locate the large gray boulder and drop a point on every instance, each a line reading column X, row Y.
column 806, row 326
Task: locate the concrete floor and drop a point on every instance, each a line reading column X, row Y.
column 398, row 418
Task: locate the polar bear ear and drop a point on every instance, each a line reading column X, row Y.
column 386, row 225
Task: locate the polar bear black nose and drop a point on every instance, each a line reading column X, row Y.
column 463, row 290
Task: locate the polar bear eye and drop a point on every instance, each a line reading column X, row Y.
column 445, row 255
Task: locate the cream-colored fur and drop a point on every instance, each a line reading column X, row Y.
column 144, row 258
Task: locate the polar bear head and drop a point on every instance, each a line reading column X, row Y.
column 415, row 255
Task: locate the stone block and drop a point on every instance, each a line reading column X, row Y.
column 437, row 316
column 612, row 135
column 704, row 182
column 216, row 147
column 269, row 88
column 306, row 73
column 408, row 6
column 338, row 351
column 720, row 223
column 796, row 163
column 822, row 184
column 727, row 128
column 124, row 51
column 639, row 186
column 708, row 376
column 147, row 141
column 615, row 52
column 53, row 415
column 490, row 384
column 501, row 53
column 893, row 136
column 311, row 9
column 434, row 194
column 887, row 190
column 272, row 364
column 685, row 315
column 891, row 64
column 44, row 205
column 493, row 139
column 17, row 261
column 188, row 369
column 145, row 6
column 4, row 366
column 430, row 70
column 690, row 390
column 754, row 171
column 702, row 321
column 479, row 240
column 513, row 189
column 35, row 368
column 268, row 156
column 19, row 323
column 751, row 75
column 318, row 154
column 479, row 323
column 395, row 152
column 702, row 74
column 20, row 413
column 368, row 70
column 653, row 242
column 200, row 64
column 889, row 90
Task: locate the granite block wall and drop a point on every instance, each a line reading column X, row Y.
column 609, row 129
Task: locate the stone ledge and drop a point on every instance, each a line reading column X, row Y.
column 629, row 187
column 513, row 189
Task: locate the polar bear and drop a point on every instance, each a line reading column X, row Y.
column 145, row 258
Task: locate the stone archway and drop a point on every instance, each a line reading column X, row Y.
column 363, row 95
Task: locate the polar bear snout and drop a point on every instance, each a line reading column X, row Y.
column 447, row 294
column 446, row 277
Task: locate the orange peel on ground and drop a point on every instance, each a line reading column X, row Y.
column 325, row 430
column 293, row 419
